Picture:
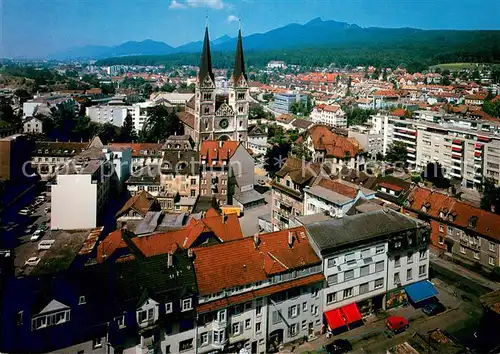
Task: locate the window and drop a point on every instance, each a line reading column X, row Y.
column 304, row 325
column 331, row 262
column 293, row 311
column 330, row 298
column 449, row 230
column 19, row 319
column 97, row 343
column 333, row 279
column 364, row 288
column 397, row 280
column 408, row 274
column 218, row 336
column 193, row 181
column 167, row 349
column 314, row 310
column 81, row 300
column 379, row 283
column 204, row 338
column 257, row 327
column 422, row 270
column 294, row 329
column 379, row 266
column 248, row 323
column 276, row 317
column 409, row 258
column 441, row 228
column 53, row 319
column 423, row 254
column 258, row 310
column 347, row 293
column 168, row 307
column 476, row 255
column 221, row 315
column 491, row 246
column 237, row 310
column 462, row 249
column 348, row 275
column 364, row 270
column 186, row 305
column 236, row 328
column 248, row 305
column 380, row 249
column 491, row 261
column 440, row 240
column 120, row 321
column 304, row 306
column 186, row 345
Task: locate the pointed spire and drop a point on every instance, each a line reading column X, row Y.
column 206, row 59
column 239, row 60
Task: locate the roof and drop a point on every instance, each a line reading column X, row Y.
column 477, row 96
column 225, row 229
column 206, row 60
column 240, row 262
column 338, row 233
column 491, row 300
column 239, row 61
column 312, row 218
column 54, row 148
column 141, row 203
column 255, row 130
column 333, row 144
column 186, row 118
column 300, row 172
column 216, row 152
column 149, row 174
column 302, row 123
column 486, row 223
column 181, row 162
column 399, row 112
column 141, row 149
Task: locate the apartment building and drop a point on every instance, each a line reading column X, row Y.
column 369, row 141
column 258, row 293
column 288, row 190
column 257, row 139
column 331, row 115
column 15, row 157
column 283, row 102
column 49, row 156
column 468, row 149
column 116, row 114
column 333, row 197
column 362, row 262
column 44, row 105
column 468, row 233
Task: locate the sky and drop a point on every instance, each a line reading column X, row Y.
column 36, row 28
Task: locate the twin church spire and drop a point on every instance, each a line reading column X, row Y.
column 206, row 60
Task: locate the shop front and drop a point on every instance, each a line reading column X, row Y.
column 395, row 298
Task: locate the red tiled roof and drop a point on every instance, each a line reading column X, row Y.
column 141, row 203
column 391, row 186
column 386, row 93
column 151, row 148
column 239, row 262
column 487, row 223
column 335, row 145
column 477, row 96
column 186, row 118
column 399, row 112
column 218, row 151
column 338, row 187
column 241, row 298
column 161, row 243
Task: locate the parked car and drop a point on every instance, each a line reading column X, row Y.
column 32, row 261
column 41, row 198
column 338, row 346
column 433, row 308
column 397, row 324
column 25, row 212
column 36, row 235
column 45, row 244
column 30, row 228
column 42, row 226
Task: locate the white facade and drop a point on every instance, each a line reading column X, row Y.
column 33, row 125
column 107, row 114
column 331, row 115
column 407, row 267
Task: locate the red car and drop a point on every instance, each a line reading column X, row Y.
column 397, row 324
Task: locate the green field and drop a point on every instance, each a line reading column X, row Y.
column 454, row 66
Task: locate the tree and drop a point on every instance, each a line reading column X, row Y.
column 107, row 132
column 256, row 111
column 160, row 124
column 300, row 151
column 127, row 131
column 167, row 88
column 275, row 158
column 396, row 152
column 7, row 112
column 433, row 173
column 192, row 87
column 108, row 89
column 357, row 116
column 491, row 196
column 493, row 109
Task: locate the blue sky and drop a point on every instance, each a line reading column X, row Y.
column 34, row 28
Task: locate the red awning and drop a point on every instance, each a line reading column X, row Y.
column 478, row 146
column 458, row 142
column 477, row 153
column 483, row 138
column 456, row 148
column 351, row 313
column 335, row 319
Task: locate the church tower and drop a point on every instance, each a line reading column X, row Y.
column 204, row 95
column 239, row 92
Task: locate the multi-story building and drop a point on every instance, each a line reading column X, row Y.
column 468, row 233
column 143, row 154
column 363, row 257
column 33, row 125
column 257, row 139
column 334, row 197
column 258, row 293
column 15, row 157
column 331, row 115
column 282, row 102
column 276, row 64
column 45, row 105
column 49, row 156
column 219, row 116
column 368, row 140
column 116, row 113
column 288, row 190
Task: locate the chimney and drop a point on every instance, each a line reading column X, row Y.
column 190, row 253
column 220, row 143
column 290, row 239
column 256, row 240
column 170, row 259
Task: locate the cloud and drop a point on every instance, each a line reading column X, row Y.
column 232, row 18
column 176, row 5
column 213, row 4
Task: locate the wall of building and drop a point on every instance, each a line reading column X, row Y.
column 242, row 165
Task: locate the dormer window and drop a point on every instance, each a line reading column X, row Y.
column 186, row 304
column 473, row 221
column 120, row 321
column 81, row 300
column 426, row 207
column 168, row 307
column 145, row 315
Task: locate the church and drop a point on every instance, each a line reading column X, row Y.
column 212, row 115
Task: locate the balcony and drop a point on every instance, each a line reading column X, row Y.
column 459, row 168
column 403, row 134
column 454, row 174
column 467, row 243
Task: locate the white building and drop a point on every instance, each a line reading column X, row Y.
column 363, row 256
column 331, row 115
column 276, row 64
column 46, row 104
column 33, row 125
column 115, row 114
column 257, row 139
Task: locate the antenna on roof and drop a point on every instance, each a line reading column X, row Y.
column 239, row 23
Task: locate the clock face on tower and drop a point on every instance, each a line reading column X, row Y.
column 223, row 123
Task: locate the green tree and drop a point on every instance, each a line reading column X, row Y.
column 433, row 173
column 256, row 111
column 491, row 196
column 7, row 112
column 127, row 131
column 108, row 132
column 192, row 87
column 275, row 158
column 300, row 151
column 91, row 79
column 160, row 124
column 108, row 89
column 396, row 152
column 357, row 116
column 493, row 109
column 168, row 88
